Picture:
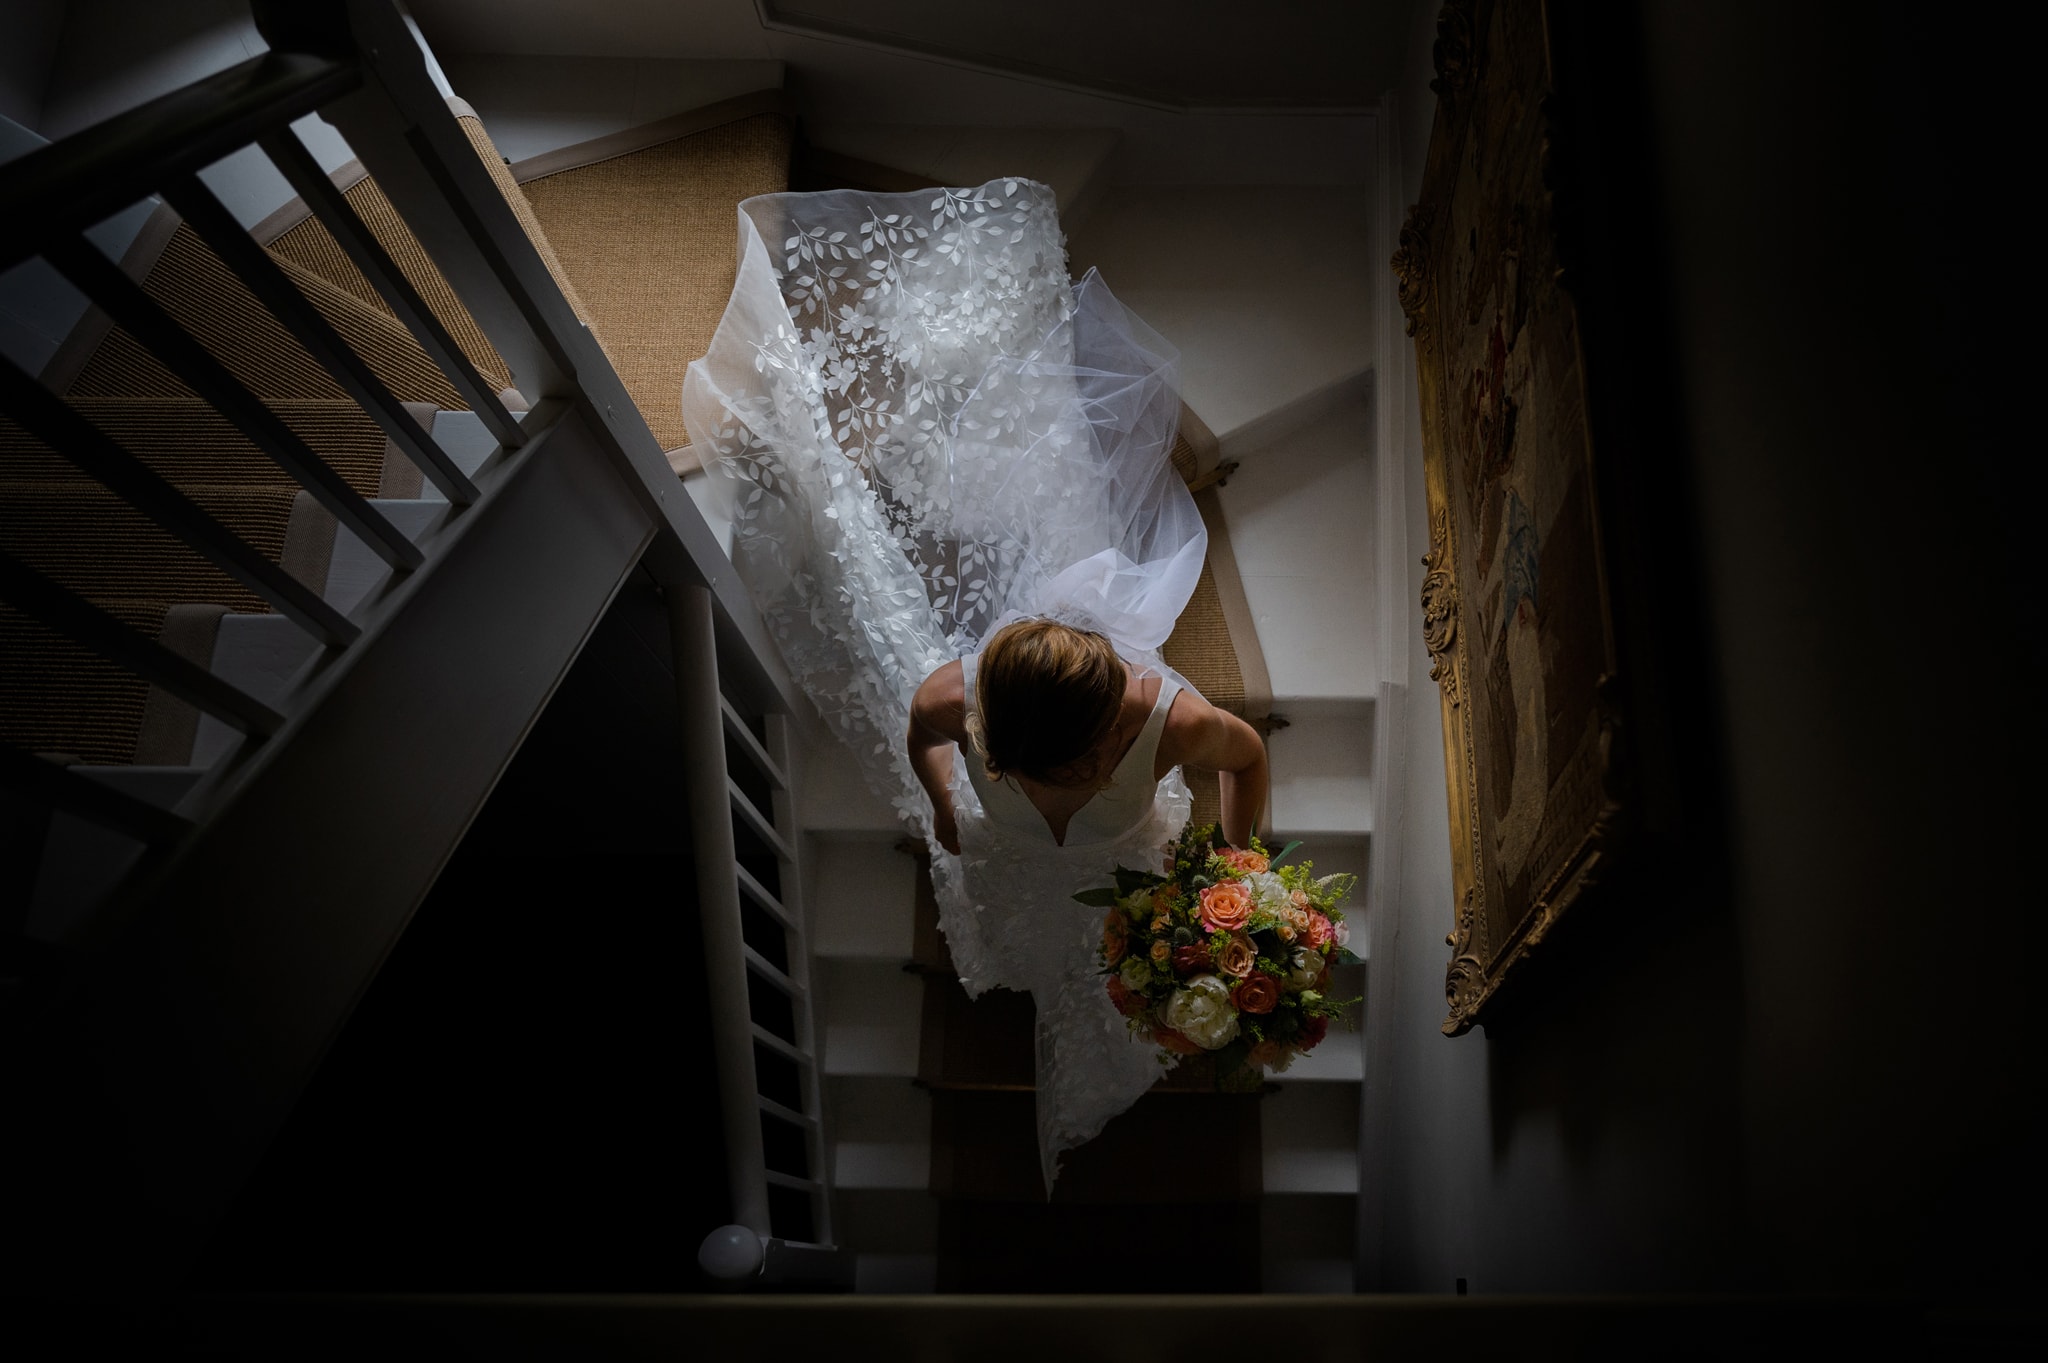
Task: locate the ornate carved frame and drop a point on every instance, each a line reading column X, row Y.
column 1493, row 74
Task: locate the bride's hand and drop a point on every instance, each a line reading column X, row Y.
column 945, row 831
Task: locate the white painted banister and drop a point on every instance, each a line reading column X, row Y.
column 264, row 920
column 718, row 900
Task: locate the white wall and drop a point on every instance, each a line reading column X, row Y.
column 1780, row 1054
column 844, row 82
column 1581, row 1150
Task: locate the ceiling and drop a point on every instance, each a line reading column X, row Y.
column 1307, row 54
column 1208, row 55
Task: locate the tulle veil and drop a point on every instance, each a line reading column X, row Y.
column 921, row 429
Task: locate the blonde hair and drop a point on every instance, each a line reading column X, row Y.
column 1044, row 697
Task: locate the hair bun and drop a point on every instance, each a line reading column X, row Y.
column 1045, row 694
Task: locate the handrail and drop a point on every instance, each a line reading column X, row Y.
column 579, row 472
column 103, row 169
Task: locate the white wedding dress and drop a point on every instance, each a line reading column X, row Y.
column 922, row 429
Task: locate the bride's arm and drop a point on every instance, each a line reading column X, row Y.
column 938, row 720
column 1200, row 735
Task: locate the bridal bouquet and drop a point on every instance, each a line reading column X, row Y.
column 1230, row 954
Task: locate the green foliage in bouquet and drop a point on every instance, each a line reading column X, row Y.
column 1228, row 953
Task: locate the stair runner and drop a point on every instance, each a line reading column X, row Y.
column 58, row 698
column 1181, row 1168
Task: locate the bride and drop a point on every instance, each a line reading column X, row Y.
column 946, row 467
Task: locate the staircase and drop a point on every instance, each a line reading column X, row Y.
column 331, row 504
column 519, row 384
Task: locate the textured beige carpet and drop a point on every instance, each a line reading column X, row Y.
column 649, row 238
column 61, row 698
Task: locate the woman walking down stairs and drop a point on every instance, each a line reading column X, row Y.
column 635, row 232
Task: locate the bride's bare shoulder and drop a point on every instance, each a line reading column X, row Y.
column 941, row 701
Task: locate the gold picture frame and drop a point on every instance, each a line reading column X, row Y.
column 1516, row 612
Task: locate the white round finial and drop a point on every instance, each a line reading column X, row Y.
column 731, row 1254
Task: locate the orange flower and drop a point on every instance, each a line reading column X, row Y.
column 1176, row 1042
column 1244, row 861
column 1226, row 907
column 1237, row 956
column 1125, row 1002
column 1114, row 939
column 1319, row 932
column 1162, row 951
column 1256, row 994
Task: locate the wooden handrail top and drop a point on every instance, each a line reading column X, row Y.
column 71, row 184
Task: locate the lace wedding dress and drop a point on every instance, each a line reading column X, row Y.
column 922, row 430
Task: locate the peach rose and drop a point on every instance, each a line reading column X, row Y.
column 1319, row 932
column 1243, row 861
column 1237, row 956
column 1162, row 951
column 1299, row 900
column 1292, row 923
column 1114, row 939
column 1256, row 994
column 1226, row 907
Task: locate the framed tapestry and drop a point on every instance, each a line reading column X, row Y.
column 1516, row 614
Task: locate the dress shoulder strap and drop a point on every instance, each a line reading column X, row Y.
column 1145, row 748
column 968, row 665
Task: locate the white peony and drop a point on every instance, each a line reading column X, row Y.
column 1304, row 969
column 1269, row 892
column 1201, row 1011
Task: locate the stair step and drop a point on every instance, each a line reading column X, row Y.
column 466, row 441
column 868, row 1018
column 1309, row 1134
column 861, row 895
column 1166, row 1149
column 1306, row 1242
column 1300, row 509
column 881, row 1130
column 1183, row 1247
column 1322, row 775
column 837, row 799
column 264, row 656
column 355, row 570
column 84, row 861
column 1073, row 161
